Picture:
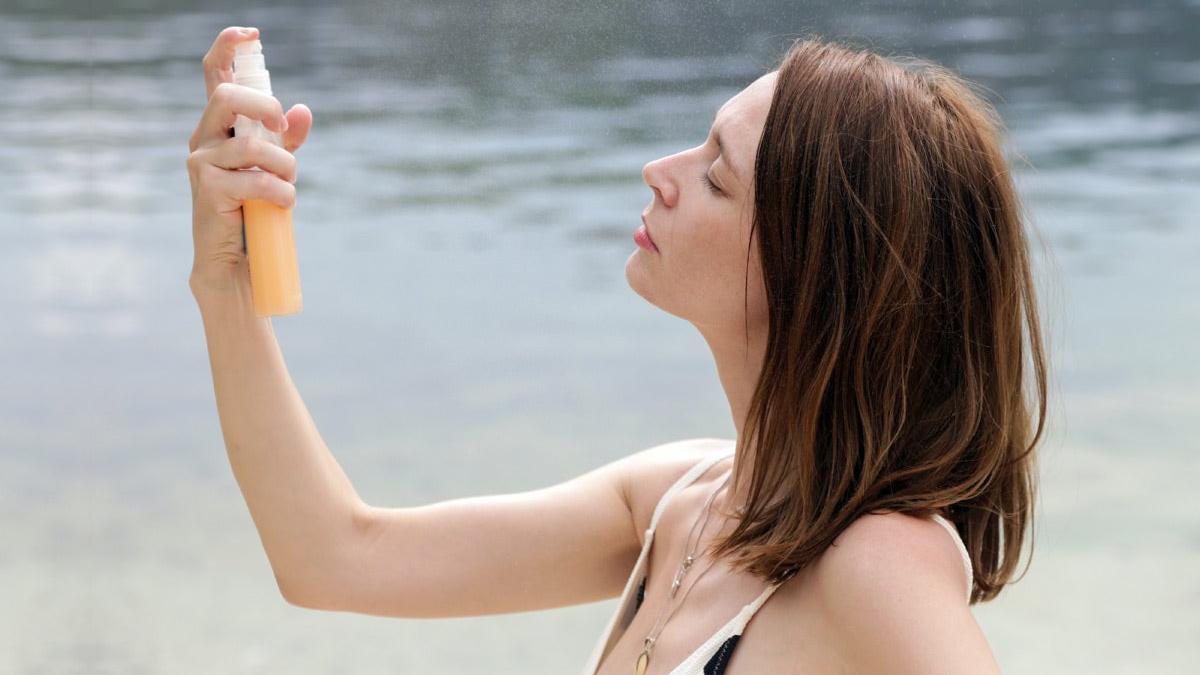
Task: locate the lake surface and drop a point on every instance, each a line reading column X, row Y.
column 466, row 205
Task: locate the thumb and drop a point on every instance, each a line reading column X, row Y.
column 299, row 119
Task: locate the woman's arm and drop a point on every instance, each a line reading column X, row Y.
column 305, row 509
column 300, row 500
column 564, row 544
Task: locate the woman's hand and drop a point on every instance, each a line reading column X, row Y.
column 218, row 187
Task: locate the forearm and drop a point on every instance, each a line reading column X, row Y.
column 300, row 499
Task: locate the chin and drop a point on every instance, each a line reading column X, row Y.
column 633, row 272
column 635, row 276
column 645, row 284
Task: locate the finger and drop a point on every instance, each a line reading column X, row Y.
column 218, row 62
column 230, row 100
column 242, row 185
column 243, row 152
column 300, row 120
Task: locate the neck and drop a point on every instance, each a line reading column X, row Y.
column 739, row 363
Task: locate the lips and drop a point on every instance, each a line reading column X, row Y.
column 648, row 236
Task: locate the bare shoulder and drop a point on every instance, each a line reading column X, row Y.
column 651, row 472
column 894, row 590
column 894, row 545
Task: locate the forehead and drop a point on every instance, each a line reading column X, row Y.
column 742, row 117
column 739, row 124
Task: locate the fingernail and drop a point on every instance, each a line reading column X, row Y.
column 247, row 31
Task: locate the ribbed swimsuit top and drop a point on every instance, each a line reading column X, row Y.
column 712, row 656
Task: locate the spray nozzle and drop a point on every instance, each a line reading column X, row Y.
column 249, row 67
column 248, row 47
column 248, row 57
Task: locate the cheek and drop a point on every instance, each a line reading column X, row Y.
column 716, row 270
column 746, row 294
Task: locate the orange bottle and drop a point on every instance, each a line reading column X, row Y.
column 270, row 241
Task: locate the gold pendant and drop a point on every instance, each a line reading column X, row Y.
column 643, row 663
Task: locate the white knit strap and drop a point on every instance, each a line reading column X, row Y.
column 686, row 480
column 695, row 661
column 962, row 550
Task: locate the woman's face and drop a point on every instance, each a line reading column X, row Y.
column 699, row 270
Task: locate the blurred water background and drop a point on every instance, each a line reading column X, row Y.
column 466, row 205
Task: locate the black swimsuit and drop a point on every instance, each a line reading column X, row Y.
column 716, row 664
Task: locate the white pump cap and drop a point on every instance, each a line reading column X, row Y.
column 249, row 66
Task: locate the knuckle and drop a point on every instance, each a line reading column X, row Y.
column 205, row 174
column 263, row 181
column 251, row 146
column 223, row 92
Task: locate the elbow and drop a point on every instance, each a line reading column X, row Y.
column 295, row 595
column 324, row 583
column 294, row 600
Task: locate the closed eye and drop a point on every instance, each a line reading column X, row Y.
column 709, row 184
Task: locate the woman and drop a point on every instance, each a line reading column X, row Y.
column 849, row 243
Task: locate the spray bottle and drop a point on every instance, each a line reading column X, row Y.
column 270, row 243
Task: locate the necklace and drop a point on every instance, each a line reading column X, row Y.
column 643, row 661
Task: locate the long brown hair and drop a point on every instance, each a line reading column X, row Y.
column 898, row 283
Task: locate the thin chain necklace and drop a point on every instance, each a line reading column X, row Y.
column 643, row 661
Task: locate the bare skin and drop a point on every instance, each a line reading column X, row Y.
column 888, row 599
column 700, row 270
column 866, row 606
column 849, row 613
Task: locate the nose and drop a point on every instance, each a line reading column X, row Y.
column 654, row 176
